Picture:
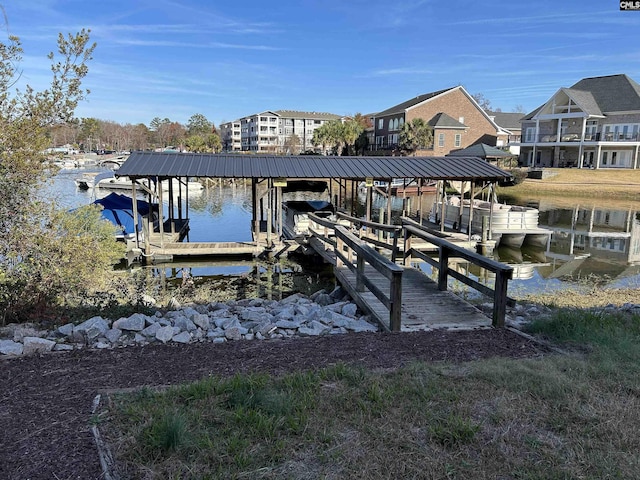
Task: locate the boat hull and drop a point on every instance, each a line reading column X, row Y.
column 509, row 225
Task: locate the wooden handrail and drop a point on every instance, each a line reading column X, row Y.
column 448, row 250
column 378, row 226
column 358, row 254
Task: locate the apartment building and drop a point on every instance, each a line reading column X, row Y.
column 278, row 132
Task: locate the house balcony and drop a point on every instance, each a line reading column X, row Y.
column 575, row 138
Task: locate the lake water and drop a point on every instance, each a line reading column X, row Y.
column 593, row 241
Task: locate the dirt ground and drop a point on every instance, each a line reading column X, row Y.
column 46, row 401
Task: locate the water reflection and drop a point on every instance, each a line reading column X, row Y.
column 590, row 238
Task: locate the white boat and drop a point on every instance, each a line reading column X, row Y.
column 302, row 197
column 511, row 225
column 109, row 181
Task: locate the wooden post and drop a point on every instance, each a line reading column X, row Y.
column 360, row 273
column 442, row 207
column 269, row 210
column 407, row 247
column 279, row 210
column 500, row 299
column 339, row 249
column 470, row 224
column 135, row 212
column 161, row 211
column 369, row 201
column 461, row 207
column 419, row 199
column 394, row 252
column 388, row 219
column 254, row 210
column 381, row 220
column 491, row 198
column 172, row 223
column 443, row 270
column 395, row 296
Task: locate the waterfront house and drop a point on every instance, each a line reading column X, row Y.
column 511, row 133
column 456, row 118
column 592, row 124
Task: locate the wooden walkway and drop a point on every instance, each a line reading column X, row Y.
column 424, row 307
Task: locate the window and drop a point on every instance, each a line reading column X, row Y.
column 441, row 139
column 381, row 123
column 530, row 134
column 458, row 139
column 263, row 119
column 401, row 122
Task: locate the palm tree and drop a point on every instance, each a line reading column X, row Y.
column 415, row 135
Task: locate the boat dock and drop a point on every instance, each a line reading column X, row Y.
column 402, row 297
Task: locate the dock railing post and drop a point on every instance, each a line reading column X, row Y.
column 443, row 269
column 395, row 296
column 360, row 273
column 339, row 249
column 407, row 247
column 500, row 299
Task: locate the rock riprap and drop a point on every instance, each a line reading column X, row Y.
column 296, row 315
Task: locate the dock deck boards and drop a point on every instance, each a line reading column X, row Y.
column 424, row 307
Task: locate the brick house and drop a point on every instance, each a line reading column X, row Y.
column 456, row 118
column 593, row 124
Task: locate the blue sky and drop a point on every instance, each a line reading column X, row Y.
column 227, row 59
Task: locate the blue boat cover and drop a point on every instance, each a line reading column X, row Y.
column 118, row 209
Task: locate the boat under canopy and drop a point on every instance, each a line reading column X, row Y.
column 118, row 209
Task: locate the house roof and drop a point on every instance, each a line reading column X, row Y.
column 165, row 165
column 600, row 95
column 585, row 100
column 314, row 115
column 480, row 150
column 613, row 93
column 442, row 120
column 401, row 107
column 508, row 120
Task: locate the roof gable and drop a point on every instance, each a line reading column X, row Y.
column 442, row 120
column 402, row 107
column 612, row 93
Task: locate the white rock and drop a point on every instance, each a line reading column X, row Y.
column 62, row 347
column 134, row 323
column 164, row 334
column 36, row 345
column 219, row 340
column 184, row 337
column 66, row 330
column 91, row 329
column 103, row 345
column 9, row 347
column 361, row 326
column 288, row 323
column 350, row 310
column 233, row 333
column 113, row 334
column 151, row 330
column 201, row 320
column 315, row 329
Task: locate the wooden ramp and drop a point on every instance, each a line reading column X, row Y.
column 424, row 307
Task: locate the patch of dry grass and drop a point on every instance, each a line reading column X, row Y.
column 582, row 182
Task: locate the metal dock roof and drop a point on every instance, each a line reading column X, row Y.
column 162, row 164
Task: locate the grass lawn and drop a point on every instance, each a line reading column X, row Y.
column 582, row 182
column 558, row 417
